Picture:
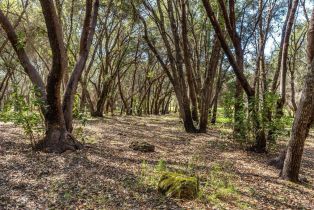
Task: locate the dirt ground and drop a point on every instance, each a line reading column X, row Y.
column 107, row 174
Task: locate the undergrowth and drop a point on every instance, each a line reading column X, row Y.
column 217, row 187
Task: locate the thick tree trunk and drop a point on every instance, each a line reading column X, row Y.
column 185, row 111
column 100, row 106
column 58, row 140
column 301, row 126
column 57, row 137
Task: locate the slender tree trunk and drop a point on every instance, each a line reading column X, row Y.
column 239, row 129
column 284, row 66
column 86, row 41
column 207, row 88
column 292, row 83
column 219, row 84
column 187, row 61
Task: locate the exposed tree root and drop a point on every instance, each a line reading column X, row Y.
column 278, row 161
column 58, row 141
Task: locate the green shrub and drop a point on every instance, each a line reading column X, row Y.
column 26, row 115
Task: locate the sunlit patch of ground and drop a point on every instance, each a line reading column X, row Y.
column 107, row 174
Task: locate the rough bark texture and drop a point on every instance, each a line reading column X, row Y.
column 58, row 140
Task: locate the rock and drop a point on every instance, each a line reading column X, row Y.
column 178, row 186
column 142, row 146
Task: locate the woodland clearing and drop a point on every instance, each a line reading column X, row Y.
column 107, row 174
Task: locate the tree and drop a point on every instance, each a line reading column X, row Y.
column 58, row 121
column 304, row 116
column 283, row 61
column 181, row 58
column 236, row 61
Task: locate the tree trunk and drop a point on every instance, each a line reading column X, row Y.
column 99, row 111
column 284, row 65
column 57, row 137
column 86, row 41
column 58, row 140
column 207, row 88
column 187, row 61
column 219, row 84
column 239, row 131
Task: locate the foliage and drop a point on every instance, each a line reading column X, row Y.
column 227, row 104
column 25, row 114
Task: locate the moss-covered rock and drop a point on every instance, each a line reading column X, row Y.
column 142, row 146
column 178, row 186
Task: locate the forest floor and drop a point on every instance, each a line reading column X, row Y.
column 107, row 174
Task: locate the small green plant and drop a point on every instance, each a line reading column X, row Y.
column 161, row 166
column 227, row 103
column 82, row 119
column 219, row 186
column 24, row 114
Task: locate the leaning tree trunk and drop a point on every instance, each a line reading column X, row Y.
column 303, row 119
column 239, row 132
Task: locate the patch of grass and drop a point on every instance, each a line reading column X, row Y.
column 224, row 120
column 219, row 187
column 150, row 175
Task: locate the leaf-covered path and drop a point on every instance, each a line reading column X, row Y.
column 107, row 174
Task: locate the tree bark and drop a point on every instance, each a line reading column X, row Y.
column 187, row 61
column 207, row 89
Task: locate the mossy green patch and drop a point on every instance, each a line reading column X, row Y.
column 178, row 186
